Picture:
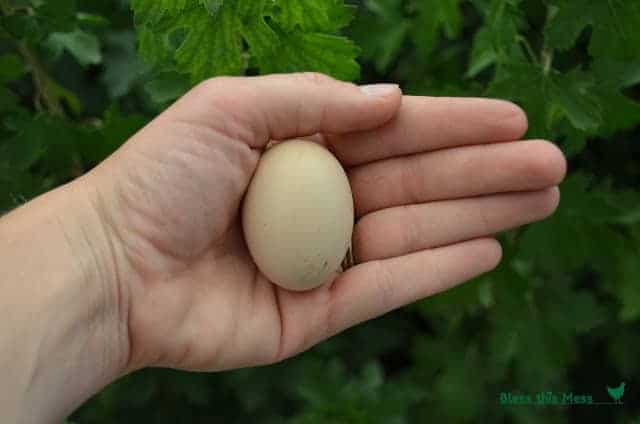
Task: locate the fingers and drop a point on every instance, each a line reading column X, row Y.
column 398, row 231
column 375, row 288
column 457, row 173
column 432, row 123
column 258, row 109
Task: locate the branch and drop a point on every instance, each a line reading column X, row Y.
column 41, row 80
column 43, row 83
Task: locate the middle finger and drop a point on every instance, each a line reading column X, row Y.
column 456, row 173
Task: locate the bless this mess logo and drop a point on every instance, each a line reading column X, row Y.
column 561, row 398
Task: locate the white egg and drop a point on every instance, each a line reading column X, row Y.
column 298, row 215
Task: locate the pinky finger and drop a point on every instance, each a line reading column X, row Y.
column 374, row 288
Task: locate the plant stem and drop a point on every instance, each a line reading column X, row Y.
column 528, row 48
column 41, row 80
column 43, row 83
column 547, row 52
column 547, row 60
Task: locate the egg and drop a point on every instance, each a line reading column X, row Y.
column 298, row 215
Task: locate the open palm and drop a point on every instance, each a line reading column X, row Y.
column 433, row 180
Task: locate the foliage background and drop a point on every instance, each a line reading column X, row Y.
column 561, row 314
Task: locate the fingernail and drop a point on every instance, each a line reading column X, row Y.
column 379, row 90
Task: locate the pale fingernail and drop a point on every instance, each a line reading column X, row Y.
column 379, row 90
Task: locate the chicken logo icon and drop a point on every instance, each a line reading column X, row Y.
column 616, row 393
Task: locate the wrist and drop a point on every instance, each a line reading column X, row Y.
column 65, row 310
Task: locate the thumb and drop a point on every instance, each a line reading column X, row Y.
column 275, row 107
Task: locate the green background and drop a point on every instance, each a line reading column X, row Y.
column 561, row 314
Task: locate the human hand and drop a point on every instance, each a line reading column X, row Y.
column 433, row 179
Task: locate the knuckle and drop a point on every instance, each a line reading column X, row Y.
column 386, row 287
column 361, row 241
column 217, row 87
column 412, row 234
column 315, row 78
column 210, row 85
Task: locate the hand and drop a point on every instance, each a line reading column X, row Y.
column 433, row 180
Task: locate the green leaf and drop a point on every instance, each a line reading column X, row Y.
column 615, row 33
column 152, row 11
column 212, row 6
column 312, row 15
column 152, row 46
column 167, row 87
column 584, row 231
column 8, row 99
column 572, row 93
column 434, row 15
column 194, row 41
column 11, row 68
column 614, row 26
column 84, row 47
column 628, row 287
column 57, row 16
column 483, row 54
column 329, row 54
column 92, row 20
column 22, row 27
column 383, row 46
column 67, row 96
column 122, row 67
column 97, row 144
column 29, row 145
column 220, row 40
column 504, row 21
column 570, row 18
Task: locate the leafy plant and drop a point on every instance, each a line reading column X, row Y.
column 562, row 313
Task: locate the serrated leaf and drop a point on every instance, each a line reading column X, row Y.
column 152, row 11
column 312, row 15
column 615, row 33
column 572, row 92
column 212, row 6
column 152, row 46
column 210, row 47
column 384, row 45
column 434, row 15
column 583, row 230
column 332, row 55
column 504, row 20
column 570, row 18
column 483, row 54
column 203, row 45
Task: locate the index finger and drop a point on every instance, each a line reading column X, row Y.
column 431, row 123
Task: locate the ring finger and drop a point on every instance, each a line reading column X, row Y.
column 398, row 231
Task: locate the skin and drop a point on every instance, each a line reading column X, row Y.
column 142, row 263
